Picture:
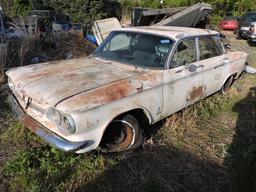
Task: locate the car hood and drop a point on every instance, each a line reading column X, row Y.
column 51, row 83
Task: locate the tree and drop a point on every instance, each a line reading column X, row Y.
column 20, row 7
column 7, row 6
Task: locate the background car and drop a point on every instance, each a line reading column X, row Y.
column 252, row 33
column 244, row 23
column 229, row 23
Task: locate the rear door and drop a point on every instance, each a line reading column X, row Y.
column 183, row 82
column 213, row 62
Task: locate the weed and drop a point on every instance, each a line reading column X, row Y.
column 3, row 55
column 42, row 166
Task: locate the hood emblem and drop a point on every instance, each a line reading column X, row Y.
column 28, row 101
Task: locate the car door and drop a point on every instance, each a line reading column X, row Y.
column 182, row 81
column 213, row 62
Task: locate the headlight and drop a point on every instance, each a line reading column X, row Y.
column 64, row 122
column 245, row 28
column 67, row 125
column 10, row 83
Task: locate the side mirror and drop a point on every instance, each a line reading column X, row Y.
column 192, row 68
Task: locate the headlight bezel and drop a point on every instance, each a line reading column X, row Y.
column 63, row 121
column 11, row 84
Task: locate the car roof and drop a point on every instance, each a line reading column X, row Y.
column 172, row 32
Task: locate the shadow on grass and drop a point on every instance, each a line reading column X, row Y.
column 160, row 168
column 241, row 156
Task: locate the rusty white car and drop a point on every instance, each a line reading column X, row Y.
column 136, row 77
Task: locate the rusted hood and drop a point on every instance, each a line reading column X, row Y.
column 51, row 83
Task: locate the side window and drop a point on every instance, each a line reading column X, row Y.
column 219, row 44
column 207, row 48
column 185, row 53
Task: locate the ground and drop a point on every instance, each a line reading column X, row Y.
column 209, row 146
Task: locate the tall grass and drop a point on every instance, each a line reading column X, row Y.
column 28, row 47
column 3, row 55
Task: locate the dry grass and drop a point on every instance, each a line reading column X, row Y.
column 29, row 46
column 3, row 60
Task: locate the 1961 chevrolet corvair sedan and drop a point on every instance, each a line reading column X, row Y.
column 135, row 78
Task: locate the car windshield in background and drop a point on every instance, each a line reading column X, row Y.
column 250, row 17
column 138, row 49
column 230, row 18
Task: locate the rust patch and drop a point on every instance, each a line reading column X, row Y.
column 196, row 93
column 101, row 95
column 128, row 139
column 118, row 137
column 30, row 123
column 148, row 77
column 111, row 92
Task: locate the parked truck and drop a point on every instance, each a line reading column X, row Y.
column 194, row 16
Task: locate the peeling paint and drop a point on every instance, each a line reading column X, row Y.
column 196, row 92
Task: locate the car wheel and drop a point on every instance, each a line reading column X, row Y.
column 122, row 135
column 226, row 87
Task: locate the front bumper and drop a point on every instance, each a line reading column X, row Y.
column 43, row 132
column 252, row 37
column 243, row 33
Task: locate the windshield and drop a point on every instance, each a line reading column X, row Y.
column 250, row 17
column 230, row 18
column 139, row 49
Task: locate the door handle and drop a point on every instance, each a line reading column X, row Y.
column 200, row 66
column 179, row 71
column 225, row 61
column 219, row 65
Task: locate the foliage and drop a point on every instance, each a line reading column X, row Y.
column 6, row 5
column 79, row 10
column 53, row 164
column 87, row 10
column 21, row 7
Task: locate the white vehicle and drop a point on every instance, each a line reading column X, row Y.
column 135, row 78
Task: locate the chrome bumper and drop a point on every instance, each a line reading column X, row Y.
column 43, row 132
column 252, row 37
